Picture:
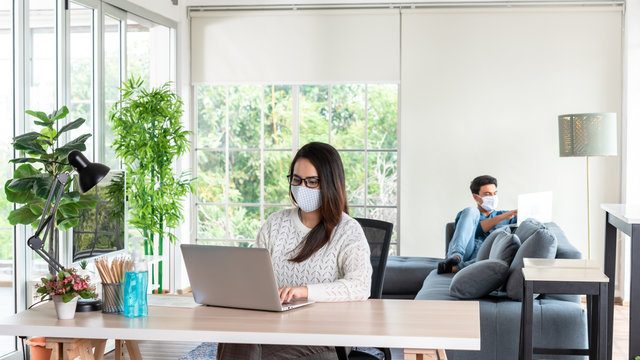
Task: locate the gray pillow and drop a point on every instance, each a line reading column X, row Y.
column 479, row 279
column 542, row 244
column 485, row 248
column 505, row 247
column 527, row 228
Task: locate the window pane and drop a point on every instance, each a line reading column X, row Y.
column 244, row 222
column 272, row 209
column 211, row 102
column 81, row 72
column 314, row 114
column 382, row 114
column 382, row 182
column 138, row 51
column 112, row 76
column 7, row 343
column 353, row 163
column 347, row 116
column 42, row 95
column 210, row 182
column 244, row 177
column 276, row 168
column 278, row 114
column 212, row 222
column 42, row 34
column 245, row 111
column 356, row 212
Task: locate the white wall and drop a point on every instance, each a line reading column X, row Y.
column 480, row 94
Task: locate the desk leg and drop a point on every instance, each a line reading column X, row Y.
column 610, row 242
column 425, row 354
column 634, row 305
column 132, row 348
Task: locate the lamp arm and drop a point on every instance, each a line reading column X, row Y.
column 47, row 222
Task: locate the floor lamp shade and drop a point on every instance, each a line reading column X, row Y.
column 592, row 134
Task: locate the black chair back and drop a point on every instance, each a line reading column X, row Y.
column 378, row 234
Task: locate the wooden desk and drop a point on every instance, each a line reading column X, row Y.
column 625, row 218
column 418, row 324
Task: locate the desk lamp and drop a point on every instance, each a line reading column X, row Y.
column 89, row 174
column 592, row 134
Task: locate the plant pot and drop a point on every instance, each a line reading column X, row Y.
column 65, row 310
column 38, row 349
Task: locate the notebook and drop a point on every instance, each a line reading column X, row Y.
column 234, row 277
column 535, row 205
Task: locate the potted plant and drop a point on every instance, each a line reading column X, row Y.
column 65, row 287
column 148, row 138
column 31, row 184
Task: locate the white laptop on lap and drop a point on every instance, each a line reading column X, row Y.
column 535, row 205
column 234, row 277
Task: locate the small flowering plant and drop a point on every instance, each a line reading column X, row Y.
column 68, row 284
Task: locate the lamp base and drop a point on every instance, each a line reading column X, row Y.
column 86, row 305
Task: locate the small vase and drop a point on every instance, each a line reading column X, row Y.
column 65, row 310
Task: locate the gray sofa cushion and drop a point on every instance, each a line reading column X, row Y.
column 485, row 248
column 542, row 244
column 479, row 279
column 527, row 228
column 505, row 247
column 556, row 323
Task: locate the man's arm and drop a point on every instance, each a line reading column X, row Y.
column 489, row 224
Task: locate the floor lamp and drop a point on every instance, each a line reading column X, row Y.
column 592, row 134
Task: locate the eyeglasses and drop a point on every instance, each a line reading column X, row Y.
column 311, row 182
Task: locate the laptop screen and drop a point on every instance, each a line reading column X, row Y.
column 535, row 205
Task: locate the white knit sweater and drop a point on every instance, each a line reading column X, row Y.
column 339, row 271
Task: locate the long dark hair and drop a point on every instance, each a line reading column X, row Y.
column 333, row 195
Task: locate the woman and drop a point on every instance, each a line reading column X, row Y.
column 318, row 251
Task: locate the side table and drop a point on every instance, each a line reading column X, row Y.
column 573, row 281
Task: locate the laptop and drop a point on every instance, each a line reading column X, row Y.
column 536, row 205
column 234, row 277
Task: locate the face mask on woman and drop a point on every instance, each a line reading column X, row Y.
column 308, row 199
column 489, row 203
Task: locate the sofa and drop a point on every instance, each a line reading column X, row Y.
column 559, row 320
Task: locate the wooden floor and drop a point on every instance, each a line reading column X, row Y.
column 174, row 350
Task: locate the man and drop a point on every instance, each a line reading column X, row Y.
column 474, row 224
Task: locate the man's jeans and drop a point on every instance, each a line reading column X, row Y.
column 463, row 243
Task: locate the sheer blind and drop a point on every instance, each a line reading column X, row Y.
column 297, row 46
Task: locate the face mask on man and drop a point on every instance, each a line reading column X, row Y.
column 308, row 199
column 489, row 203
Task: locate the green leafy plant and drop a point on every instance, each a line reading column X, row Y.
column 149, row 137
column 68, row 284
column 31, row 184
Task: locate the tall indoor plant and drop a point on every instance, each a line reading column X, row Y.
column 149, row 137
column 31, row 184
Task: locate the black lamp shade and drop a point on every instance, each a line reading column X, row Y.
column 89, row 173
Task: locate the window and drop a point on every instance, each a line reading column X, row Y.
column 7, row 343
column 248, row 134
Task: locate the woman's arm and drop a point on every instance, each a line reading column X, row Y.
column 355, row 285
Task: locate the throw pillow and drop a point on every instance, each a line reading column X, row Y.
column 542, row 244
column 485, row 248
column 505, row 247
column 479, row 279
column 527, row 228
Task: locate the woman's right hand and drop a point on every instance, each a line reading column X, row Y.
column 287, row 293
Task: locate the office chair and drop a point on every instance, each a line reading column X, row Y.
column 378, row 234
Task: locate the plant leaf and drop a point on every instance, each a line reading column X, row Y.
column 40, row 115
column 42, row 186
column 36, row 208
column 22, row 215
column 72, row 195
column 68, row 210
column 30, row 136
column 22, row 184
column 25, row 170
column 60, row 114
column 67, row 224
column 18, row 197
column 70, row 126
column 75, row 144
column 87, row 201
column 31, row 160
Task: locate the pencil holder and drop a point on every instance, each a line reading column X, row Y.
column 112, row 298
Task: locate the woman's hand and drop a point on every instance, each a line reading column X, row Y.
column 288, row 293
